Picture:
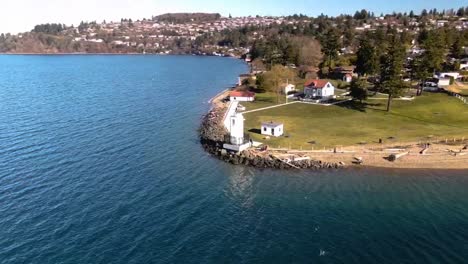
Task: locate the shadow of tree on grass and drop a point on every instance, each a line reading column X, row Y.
column 358, row 106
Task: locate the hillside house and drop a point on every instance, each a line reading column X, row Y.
column 345, row 73
column 319, row 90
column 348, row 78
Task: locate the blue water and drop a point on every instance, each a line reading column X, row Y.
column 100, row 163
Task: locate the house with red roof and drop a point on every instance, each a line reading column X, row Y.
column 348, row 77
column 241, row 96
column 319, row 90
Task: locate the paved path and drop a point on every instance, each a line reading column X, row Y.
column 270, row 107
column 294, row 102
column 394, row 99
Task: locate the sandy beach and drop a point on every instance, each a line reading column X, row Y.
column 437, row 156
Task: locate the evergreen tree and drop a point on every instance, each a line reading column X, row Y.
column 358, row 89
column 424, row 13
column 434, row 54
column 391, row 70
column 367, row 61
column 330, row 46
column 419, row 71
column 457, row 48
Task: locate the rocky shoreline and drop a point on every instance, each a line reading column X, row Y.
column 212, row 134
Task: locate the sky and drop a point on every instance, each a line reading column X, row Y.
column 22, row 15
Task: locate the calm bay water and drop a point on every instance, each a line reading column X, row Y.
column 100, row 163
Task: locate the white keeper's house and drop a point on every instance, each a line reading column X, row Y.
column 319, row 89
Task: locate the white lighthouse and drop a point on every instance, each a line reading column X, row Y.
column 234, row 123
column 237, row 129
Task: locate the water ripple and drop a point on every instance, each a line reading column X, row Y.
column 100, row 163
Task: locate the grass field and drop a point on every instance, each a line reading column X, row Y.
column 431, row 115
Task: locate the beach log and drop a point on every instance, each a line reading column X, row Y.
column 424, row 151
column 394, row 157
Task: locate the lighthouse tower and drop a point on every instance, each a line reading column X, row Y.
column 237, row 129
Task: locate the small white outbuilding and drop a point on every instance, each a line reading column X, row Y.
column 272, row 129
column 289, row 88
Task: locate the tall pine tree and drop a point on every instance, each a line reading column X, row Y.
column 367, row 61
column 391, row 70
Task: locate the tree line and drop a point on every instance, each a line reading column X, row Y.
column 52, row 29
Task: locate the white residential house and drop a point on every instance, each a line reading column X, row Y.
column 118, row 42
column 289, row 88
column 241, row 96
column 319, row 89
column 441, row 23
column 96, row 40
column 455, row 75
column 272, row 129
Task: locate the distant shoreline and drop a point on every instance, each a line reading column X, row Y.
column 74, row 53
column 112, row 54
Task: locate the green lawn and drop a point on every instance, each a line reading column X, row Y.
column 436, row 115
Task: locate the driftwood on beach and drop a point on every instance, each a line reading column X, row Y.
column 395, row 157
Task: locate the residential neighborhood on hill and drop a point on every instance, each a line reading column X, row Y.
column 211, row 34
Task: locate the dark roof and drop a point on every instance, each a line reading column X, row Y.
column 345, row 69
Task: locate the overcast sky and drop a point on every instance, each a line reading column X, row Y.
column 22, row 15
